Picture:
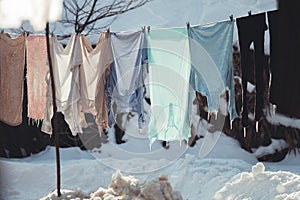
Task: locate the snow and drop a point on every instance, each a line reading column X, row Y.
column 227, row 172
column 278, row 119
column 276, row 145
column 36, row 12
column 260, row 184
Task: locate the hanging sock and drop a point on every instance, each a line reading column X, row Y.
column 252, row 29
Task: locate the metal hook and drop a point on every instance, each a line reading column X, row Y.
column 188, row 25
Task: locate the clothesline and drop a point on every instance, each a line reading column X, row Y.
column 149, row 28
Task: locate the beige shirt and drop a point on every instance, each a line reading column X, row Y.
column 66, row 62
column 93, row 72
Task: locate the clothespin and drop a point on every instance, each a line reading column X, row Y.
column 231, row 17
column 2, row 31
column 148, row 28
column 256, row 126
column 108, row 30
column 249, row 12
column 188, row 25
column 143, row 28
column 26, row 33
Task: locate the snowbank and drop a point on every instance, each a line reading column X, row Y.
column 261, row 184
column 66, row 195
column 129, row 187
column 124, row 188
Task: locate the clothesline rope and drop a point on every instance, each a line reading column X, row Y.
column 231, row 18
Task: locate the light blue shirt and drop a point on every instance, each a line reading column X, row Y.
column 211, row 59
column 125, row 83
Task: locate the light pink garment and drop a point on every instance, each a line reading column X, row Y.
column 93, row 73
column 36, row 49
column 12, row 61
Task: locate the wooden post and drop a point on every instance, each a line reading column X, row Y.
column 54, row 119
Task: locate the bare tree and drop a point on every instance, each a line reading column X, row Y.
column 83, row 14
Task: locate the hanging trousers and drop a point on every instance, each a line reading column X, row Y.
column 277, row 86
column 252, row 29
column 284, row 58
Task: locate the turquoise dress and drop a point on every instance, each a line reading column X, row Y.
column 169, row 72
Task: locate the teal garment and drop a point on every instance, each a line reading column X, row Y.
column 211, row 58
column 169, row 72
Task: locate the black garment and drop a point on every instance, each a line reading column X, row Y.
column 284, row 49
column 252, row 29
column 276, row 85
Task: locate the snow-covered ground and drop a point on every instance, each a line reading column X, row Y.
column 227, row 172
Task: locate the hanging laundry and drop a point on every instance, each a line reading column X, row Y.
column 12, row 62
column 169, row 72
column 66, row 62
column 36, row 52
column 125, row 83
column 277, row 86
column 284, row 58
column 252, row 29
column 93, row 73
column 211, row 59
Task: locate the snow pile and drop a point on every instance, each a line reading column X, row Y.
column 66, row 195
column 261, row 184
column 258, row 169
column 120, row 186
column 129, row 187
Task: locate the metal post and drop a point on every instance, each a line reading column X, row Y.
column 54, row 119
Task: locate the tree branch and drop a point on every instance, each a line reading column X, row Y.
column 84, row 16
